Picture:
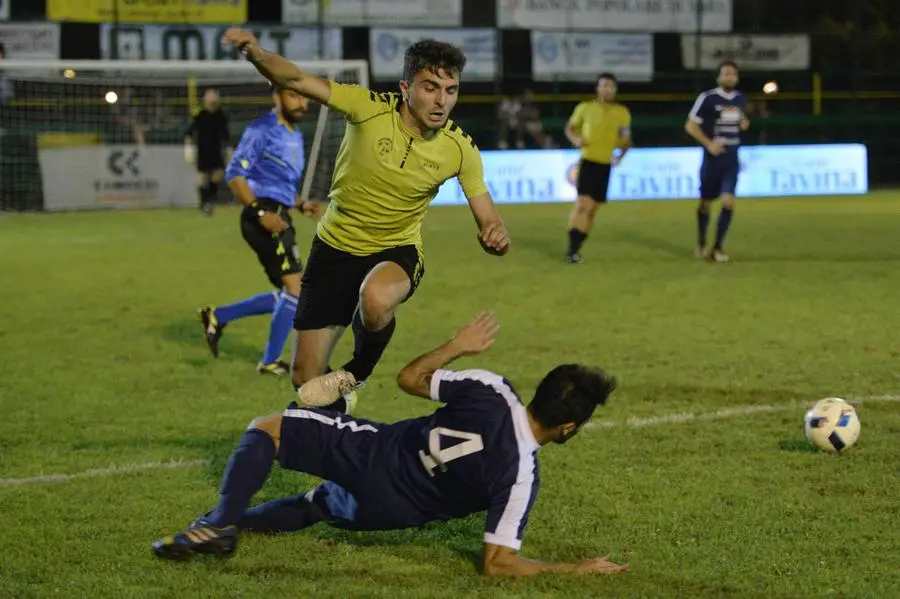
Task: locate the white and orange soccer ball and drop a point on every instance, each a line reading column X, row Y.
column 832, row 425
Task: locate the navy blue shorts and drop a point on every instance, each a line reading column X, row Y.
column 365, row 488
column 718, row 175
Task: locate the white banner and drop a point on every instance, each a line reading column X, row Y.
column 750, row 52
column 30, row 40
column 4, row 10
column 436, row 13
column 537, row 176
column 581, row 56
column 386, row 48
column 615, row 15
column 116, row 176
column 180, row 42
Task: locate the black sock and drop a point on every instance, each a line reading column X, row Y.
column 247, row 471
column 212, row 191
column 576, row 239
column 702, row 226
column 367, row 347
column 722, row 226
column 202, row 192
column 282, row 515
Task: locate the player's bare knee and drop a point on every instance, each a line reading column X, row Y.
column 291, row 283
column 705, row 206
column 728, row 201
column 271, row 425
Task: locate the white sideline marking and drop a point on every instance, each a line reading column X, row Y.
column 112, row 470
column 635, row 422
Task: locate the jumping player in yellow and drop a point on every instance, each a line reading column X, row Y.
column 366, row 258
column 598, row 128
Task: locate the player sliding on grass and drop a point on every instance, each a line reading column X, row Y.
column 366, row 258
column 477, row 452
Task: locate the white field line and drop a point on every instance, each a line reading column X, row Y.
column 634, row 422
column 111, row 470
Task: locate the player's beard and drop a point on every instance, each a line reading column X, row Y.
column 292, row 117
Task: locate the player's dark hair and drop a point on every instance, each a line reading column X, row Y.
column 569, row 393
column 727, row 63
column 433, row 56
column 609, row 76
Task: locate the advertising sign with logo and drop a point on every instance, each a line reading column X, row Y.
column 616, row 15
column 230, row 12
column 522, row 177
column 184, row 42
column 116, row 176
column 565, row 56
column 30, row 40
column 434, row 13
column 751, row 52
column 386, row 48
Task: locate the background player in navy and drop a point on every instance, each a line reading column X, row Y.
column 206, row 143
column 265, row 174
column 478, row 452
column 716, row 121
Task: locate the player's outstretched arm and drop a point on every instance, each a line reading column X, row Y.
column 278, row 70
column 504, row 561
column 472, row 339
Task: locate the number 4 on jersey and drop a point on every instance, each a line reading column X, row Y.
column 439, row 458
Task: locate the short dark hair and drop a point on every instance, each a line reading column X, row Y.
column 569, row 393
column 434, row 56
column 727, row 63
column 609, row 76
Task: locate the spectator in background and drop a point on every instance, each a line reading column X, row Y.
column 125, row 113
column 521, row 116
column 6, row 89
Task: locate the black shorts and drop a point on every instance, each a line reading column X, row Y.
column 593, row 180
column 332, row 280
column 364, row 477
column 208, row 162
column 718, row 175
column 277, row 252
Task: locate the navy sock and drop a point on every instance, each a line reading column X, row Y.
column 202, row 194
column 212, row 191
column 722, row 226
column 282, row 515
column 576, row 239
column 282, row 323
column 264, row 303
column 247, row 471
column 368, row 346
column 702, row 226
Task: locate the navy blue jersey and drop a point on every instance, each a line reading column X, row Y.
column 719, row 115
column 476, row 453
column 270, row 156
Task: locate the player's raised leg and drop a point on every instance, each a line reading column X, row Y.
column 213, row 319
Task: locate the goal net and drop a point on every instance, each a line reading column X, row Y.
column 101, row 134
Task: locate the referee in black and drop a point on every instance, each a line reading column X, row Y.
column 206, row 143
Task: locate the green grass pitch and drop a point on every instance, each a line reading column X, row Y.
column 697, row 472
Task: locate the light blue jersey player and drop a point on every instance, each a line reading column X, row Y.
column 716, row 121
column 478, row 452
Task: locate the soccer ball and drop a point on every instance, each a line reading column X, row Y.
column 832, row 424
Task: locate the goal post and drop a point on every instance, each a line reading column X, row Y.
column 86, row 134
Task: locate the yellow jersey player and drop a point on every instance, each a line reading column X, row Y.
column 598, row 128
column 366, row 258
